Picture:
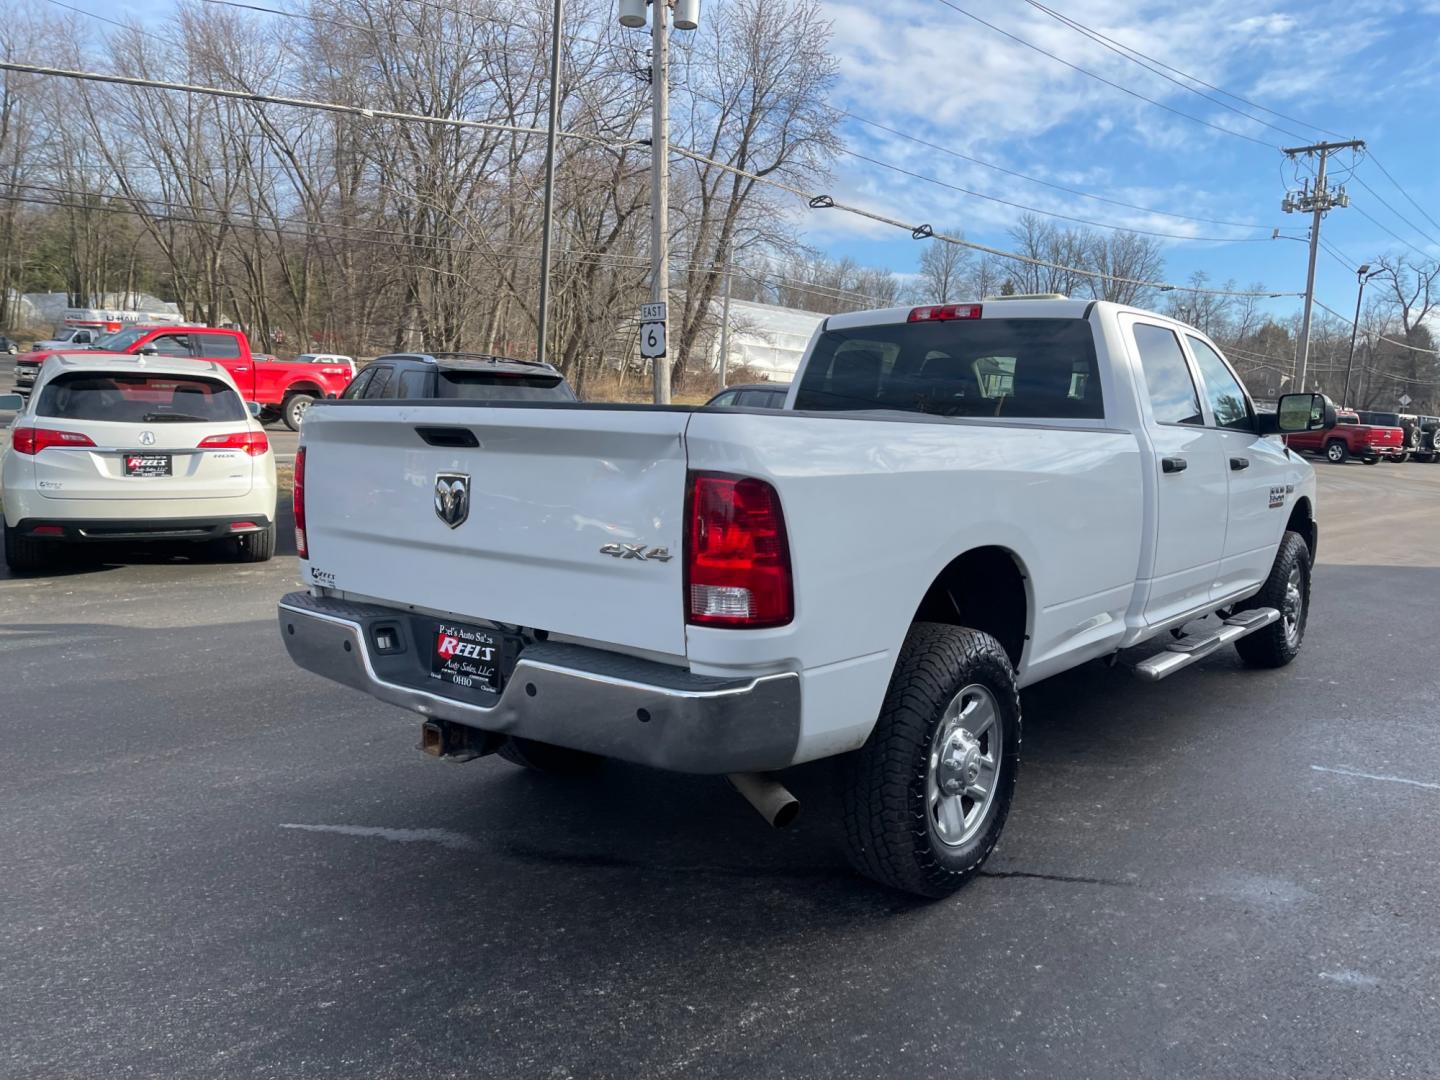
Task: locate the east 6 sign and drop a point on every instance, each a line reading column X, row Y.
column 652, row 340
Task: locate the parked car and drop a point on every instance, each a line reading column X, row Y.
column 965, row 500
column 134, row 448
column 283, row 390
column 459, row 376
column 9, row 345
column 73, row 337
column 766, row 395
column 1351, row 437
column 1429, row 441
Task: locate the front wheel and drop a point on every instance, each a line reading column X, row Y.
column 294, row 409
column 1336, row 452
column 927, row 795
column 1287, row 590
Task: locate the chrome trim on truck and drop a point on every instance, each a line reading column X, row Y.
column 572, row 695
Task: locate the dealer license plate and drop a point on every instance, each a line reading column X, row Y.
column 467, row 656
column 147, row 464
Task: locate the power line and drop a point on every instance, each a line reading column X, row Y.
column 1408, row 223
column 1386, row 229
column 1051, row 213
column 1108, row 82
column 1046, row 183
column 1380, row 337
column 1130, row 53
column 1402, row 191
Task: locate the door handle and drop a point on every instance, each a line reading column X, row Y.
column 1173, row 464
column 1239, row 463
column 240, row 369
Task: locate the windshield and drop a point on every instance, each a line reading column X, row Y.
column 1007, row 368
column 123, row 339
column 123, row 397
column 488, row 386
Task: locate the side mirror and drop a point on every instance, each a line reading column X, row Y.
column 254, row 407
column 11, row 403
column 1304, row 412
column 149, row 350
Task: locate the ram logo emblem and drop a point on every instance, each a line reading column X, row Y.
column 452, row 498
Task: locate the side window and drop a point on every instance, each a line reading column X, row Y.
column 1172, row 391
column 1222, row 389
column 412, row 384
column 172, row 344
column 218, row 346
column 379, row 382
column 356, row 389
column 725, row 400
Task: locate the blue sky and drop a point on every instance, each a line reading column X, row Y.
column 1366, row 68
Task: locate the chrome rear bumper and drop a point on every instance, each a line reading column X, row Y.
column 569, row 695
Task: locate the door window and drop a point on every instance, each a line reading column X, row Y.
column 1167, row 376
column 218, row 346
column 1223, row 391
column 357, row 385
column 172, row 344
column 379, row 382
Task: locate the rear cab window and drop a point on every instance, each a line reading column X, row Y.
column 495, row 386
column 139, row 398
column 1035, row 368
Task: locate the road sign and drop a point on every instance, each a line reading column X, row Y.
column 1405, row 399
column 652, row 312
column 652, row 340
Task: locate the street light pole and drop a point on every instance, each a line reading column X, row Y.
column 1362, row 275
column 660, row 187
column 551, row 134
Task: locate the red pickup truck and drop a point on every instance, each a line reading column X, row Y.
column 1350, row 438
column 283, row 390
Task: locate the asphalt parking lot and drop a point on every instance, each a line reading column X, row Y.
column 213, row 864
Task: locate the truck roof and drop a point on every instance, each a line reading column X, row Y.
column 994, row 307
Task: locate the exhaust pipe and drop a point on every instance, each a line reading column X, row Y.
column 767, row 795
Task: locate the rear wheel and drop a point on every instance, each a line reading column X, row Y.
column 1287, row 590
column 1337, row 452
column 927, row 795
column 256, row 546
column 548, row 758
column 26, row 555
column 294, row 409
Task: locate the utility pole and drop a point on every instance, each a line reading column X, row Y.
column 1317, row 203
column 725, row 315
column 551, row 134
column 1363, row 275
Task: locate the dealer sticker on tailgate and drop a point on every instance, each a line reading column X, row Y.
column 466, row 656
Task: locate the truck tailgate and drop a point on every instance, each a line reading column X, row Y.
column 548, row 489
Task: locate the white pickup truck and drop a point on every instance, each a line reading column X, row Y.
column 956, row 502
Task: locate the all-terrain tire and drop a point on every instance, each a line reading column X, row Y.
column 1279, row 643
column 891, row 835
column 25, row 555
column 548, row 758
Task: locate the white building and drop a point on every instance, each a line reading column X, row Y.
column 766, row 338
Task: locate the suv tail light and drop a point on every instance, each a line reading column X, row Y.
column 301, row 548
column 33, row 440
column 737, row 557
column 944, row 312
column 253, row 443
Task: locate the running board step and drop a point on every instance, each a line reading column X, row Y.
column 1181, row 654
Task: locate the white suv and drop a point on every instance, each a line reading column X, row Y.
column 135, row 448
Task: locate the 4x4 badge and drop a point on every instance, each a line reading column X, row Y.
column 637, row 551
column 452, row 498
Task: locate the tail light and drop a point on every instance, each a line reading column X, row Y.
column 253, row 443
column 298, row 495
column 944, row 312
column 33, row 440
column 737, row 557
